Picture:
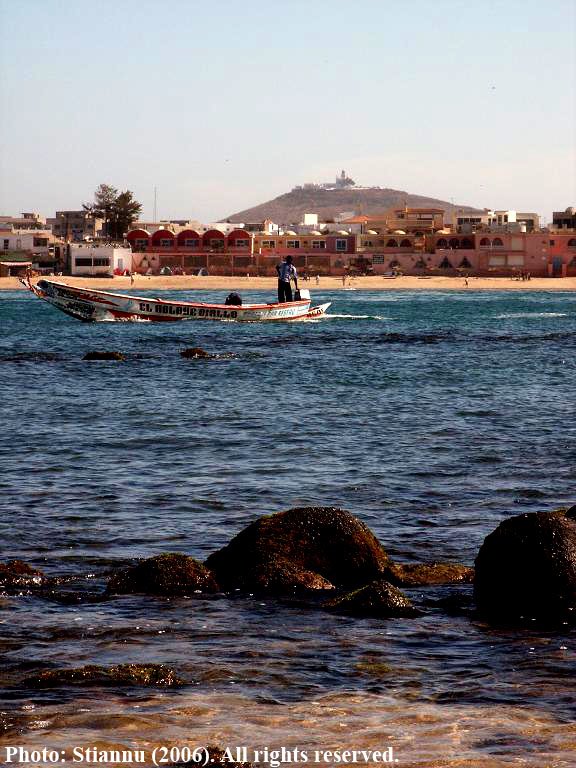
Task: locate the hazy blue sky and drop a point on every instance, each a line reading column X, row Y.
column 226, row 104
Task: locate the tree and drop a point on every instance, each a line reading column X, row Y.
column 118, row 209
column 126, row 210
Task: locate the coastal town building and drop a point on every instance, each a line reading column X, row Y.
column 25, row 221
column 34, row 248
column 75, row 226
column 564, row 219
column 99, row 260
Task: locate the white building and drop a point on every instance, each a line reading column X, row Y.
column 101, row 260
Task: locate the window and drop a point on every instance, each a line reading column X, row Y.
column 192, row 242
column 83, row 262
column 552, row 242
column 140, row 242
column 378, row 258
column 6, row 244
column 101, row 262
column 572, row 242
column 341, row 245
column 497, row 243
column 18, row 244
column 40, row 242
column 391, row 244
column 318, row 245
column 216, row 243
column 268, row 244
column 242, row 243
column 166, row 242
column 292, row 243
column 368, row 244
column 405, row 244
column 442, row 243
column 484, row 243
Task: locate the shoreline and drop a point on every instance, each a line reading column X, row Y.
column 268, row 284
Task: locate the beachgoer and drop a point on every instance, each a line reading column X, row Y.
column 317, row 279
column 286, row 272
column 131, row 278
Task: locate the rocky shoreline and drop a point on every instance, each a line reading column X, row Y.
column 326, row 559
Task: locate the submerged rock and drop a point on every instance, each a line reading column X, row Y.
column 379, row 598
column 527, row 567
column 118, row 356
column 16, row 574
column 195, row 353
column 166, row 574
column 121, row 675
column 302, row 548
column 428, row 574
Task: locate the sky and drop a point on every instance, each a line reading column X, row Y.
column 223, row 105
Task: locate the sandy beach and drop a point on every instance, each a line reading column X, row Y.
column 373, row 283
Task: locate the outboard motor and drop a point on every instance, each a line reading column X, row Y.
column 233, row 300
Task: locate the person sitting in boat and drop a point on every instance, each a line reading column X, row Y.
column 286, row 272
column 233, row 300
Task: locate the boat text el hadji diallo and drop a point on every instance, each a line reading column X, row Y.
column 103, row 306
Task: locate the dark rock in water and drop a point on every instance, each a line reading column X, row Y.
column 16, row 574
column 527, row 567
column 216, row 756
column 195, row 353
column 121, row 675
column 278, row 576
column 427, row 574
column 379, row 598
column 167, row 574
column 118, row 356
column 303, row 548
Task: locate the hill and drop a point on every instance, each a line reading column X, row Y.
column 327, row 203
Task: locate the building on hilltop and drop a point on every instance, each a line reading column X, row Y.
column 341, row 182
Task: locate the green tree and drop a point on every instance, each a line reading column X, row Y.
column 118, row 209
column 125, row 211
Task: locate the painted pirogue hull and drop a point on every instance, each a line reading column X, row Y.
column 103, row 306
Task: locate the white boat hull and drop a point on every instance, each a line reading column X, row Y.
column 103, row 306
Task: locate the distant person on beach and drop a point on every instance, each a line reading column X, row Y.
column 131, row 278
column 286, row 272
column 317, row 279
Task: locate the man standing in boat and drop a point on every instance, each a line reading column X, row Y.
column 286, row 272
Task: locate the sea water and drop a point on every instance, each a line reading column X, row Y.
column 432, row 416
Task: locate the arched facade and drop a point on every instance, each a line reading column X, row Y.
column 139, row 239
column 485, row 242
column 163, row 238
column 239, row 238
column 188, row 238
column 392, row 244
column 497, row 243
column 214, row 240
column 442, row 243
column 405, row 243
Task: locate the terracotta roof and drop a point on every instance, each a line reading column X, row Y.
column 356, row 220
column 419, row 210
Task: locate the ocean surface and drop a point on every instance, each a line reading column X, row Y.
column 432, row 416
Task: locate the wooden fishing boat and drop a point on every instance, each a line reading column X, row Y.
column 104, row 306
